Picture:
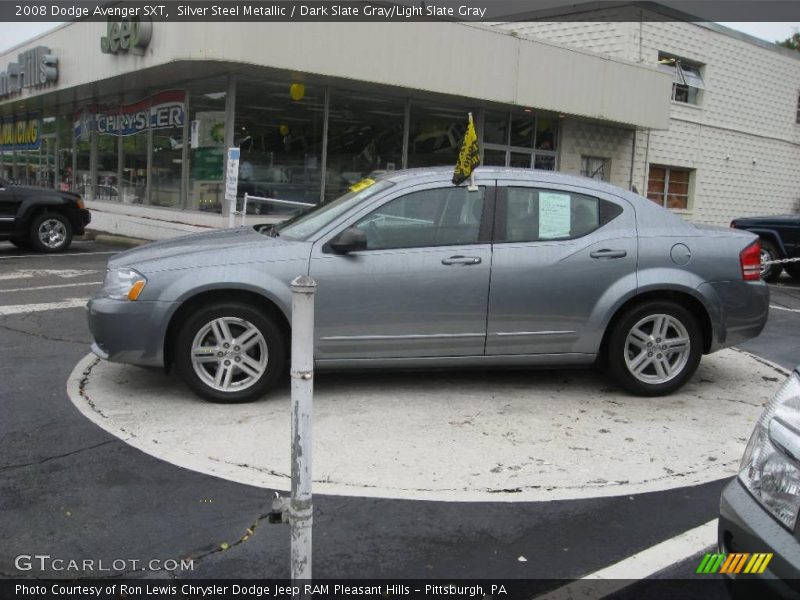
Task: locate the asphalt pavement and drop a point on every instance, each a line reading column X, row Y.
column 70, row 490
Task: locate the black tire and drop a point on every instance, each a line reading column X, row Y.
column 50, row 232
column 618, row 349
column 793, row 269
column 770, row 252
column 249, row 387
column 21, row 243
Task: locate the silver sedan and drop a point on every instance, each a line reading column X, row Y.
column 526, row 268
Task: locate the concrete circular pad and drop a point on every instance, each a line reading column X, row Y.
column 455, row 436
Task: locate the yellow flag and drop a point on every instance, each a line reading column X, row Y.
column 469, row 157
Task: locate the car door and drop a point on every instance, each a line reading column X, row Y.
column 420, row 288
column 8, row 208
column 561, row 254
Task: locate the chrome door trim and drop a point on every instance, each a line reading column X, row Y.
column 412, row 336
column 512, row 333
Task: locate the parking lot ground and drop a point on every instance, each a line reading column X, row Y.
column 70, row 489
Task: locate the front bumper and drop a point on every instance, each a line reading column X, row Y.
column 129, row 332
column 84, row 218
column 743, row 310
column 744, row 526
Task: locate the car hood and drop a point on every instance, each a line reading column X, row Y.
column 217, row 247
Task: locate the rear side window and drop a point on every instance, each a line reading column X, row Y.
column 533, row 214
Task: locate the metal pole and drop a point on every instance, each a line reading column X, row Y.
column 300, row 503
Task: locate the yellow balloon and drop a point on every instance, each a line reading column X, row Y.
column 297, row 91
column 284, row 129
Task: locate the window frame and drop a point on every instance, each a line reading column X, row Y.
column 665, row 193
column 586, row 159
column 688, row 78
column 485, row 227
column 499, row 233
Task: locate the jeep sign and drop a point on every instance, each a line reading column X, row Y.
column 126, row 36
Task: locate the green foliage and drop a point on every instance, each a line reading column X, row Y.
column 793, row 43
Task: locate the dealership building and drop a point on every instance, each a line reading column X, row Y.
column 700, row 119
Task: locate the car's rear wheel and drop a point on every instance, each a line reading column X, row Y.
column 655, row 348
column 230, row 352
column 769, row 252
column 50, row 232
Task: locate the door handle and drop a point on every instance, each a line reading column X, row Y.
column 461, row 260
column 606, row 253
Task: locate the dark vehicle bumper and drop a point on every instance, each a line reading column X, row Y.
column 129, row 332
column 744, row 526
column 84, row 218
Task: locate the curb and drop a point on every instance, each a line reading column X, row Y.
column 114, row 240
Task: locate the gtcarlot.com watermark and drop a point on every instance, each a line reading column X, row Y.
column 45, row 562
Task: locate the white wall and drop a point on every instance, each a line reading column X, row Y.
column 748, row 111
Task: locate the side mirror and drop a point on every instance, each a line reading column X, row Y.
column 350, row 240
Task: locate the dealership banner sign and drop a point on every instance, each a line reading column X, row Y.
column 20, row 133
column 161, row 111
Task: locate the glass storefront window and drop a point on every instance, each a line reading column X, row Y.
column 167, row 114
column 436, row 134
column 278, row 127
column 134, row 168
column 106, row 186
column 522, row 127
column 207, row 144
column 365, row 137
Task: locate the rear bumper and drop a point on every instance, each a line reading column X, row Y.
column 744, row 526
column 743, row 310
column 129, row 332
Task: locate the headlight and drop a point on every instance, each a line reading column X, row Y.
column 123, row 284
column 770, row 467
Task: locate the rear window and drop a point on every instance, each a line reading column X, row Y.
column 534, row 214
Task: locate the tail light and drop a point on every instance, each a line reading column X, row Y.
column 750, row 259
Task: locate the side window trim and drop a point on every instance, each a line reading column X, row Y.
column 484, row 229
column 499, row 232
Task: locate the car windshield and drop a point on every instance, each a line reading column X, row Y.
column 306, row 224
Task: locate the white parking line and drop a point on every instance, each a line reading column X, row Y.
column 63, row 273
column 15, row 309
column 794, row 310
column 50, row 287
column 639, row 566
column 58, row 255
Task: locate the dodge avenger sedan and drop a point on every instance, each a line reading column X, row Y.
column 526, row 268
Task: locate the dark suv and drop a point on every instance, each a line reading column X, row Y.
column 780, row 238
column 40, row 219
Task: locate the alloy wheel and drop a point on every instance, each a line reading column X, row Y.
column 657, row 348
column 229, row 354
column 52, row 233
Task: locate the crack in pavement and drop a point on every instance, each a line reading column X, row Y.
column 224, row 547
column 5, row 468
column 43, row 336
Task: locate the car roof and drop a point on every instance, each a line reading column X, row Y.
column 650, row 214
column 538, row 175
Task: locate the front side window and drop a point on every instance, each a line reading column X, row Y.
column 668, row 186
column 687, row 83
column 437, row 217
column 532, row 214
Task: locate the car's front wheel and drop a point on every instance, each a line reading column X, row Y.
column 230, row 352
column 655, row 348
column 50, row 232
